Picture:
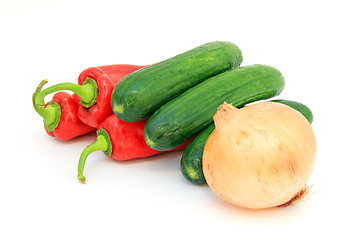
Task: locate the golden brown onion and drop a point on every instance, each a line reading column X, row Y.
column 259, row 156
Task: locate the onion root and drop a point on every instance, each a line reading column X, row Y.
column 298, row 197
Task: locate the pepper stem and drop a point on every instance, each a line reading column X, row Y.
column 101, row 143
column 51, row 114
column 87, row 92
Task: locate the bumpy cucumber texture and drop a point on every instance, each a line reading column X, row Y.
column 140, row 93
column 181, row 118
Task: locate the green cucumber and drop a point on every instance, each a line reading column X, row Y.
column 140, row 93
column 181, row 118
column 191, row 160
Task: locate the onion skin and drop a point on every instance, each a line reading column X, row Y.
column 259, row 156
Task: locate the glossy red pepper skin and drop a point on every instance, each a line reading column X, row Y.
column 127, row 139
column 69, row 125
column 106, row 78
column 121, row 141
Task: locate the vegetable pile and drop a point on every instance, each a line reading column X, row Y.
column 252, row 153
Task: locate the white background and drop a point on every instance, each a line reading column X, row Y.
column 315, row 44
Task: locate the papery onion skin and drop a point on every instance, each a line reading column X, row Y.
column 259, row 156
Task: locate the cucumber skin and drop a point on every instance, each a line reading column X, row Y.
column 191, row 160
column 183, row 117
column 140, row 93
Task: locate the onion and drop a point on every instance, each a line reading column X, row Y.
column 259, row 156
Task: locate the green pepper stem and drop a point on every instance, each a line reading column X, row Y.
column 87, row 92
column 100, row 144
column 35, row 95
column 50, row 114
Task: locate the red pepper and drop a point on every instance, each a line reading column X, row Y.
column 94, row 89
column 60, row 116
column 120, row 140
